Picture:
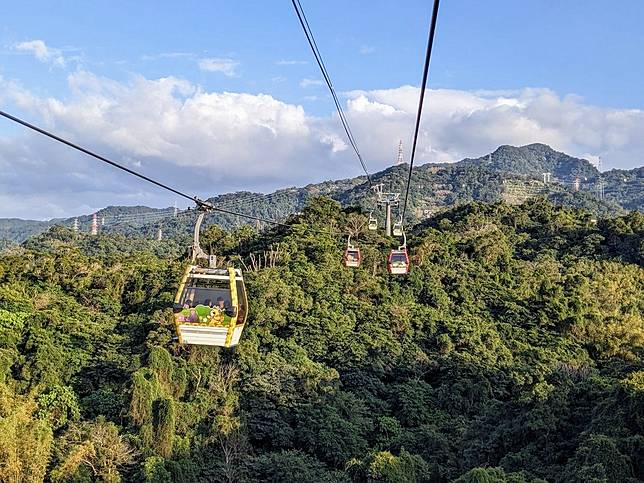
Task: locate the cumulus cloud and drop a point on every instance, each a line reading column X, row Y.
column 458, row 124
column 203, row 142
column 224, row 65
column 42, row 52
column 311, row 82
column 214, row 142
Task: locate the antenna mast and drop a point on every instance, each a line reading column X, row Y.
column 600, row 180
column 400, row 159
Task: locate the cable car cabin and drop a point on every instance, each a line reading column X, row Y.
column 352, row 257
column 398, row 229
column 210, row 307
column 373, row 223
column 398, row 262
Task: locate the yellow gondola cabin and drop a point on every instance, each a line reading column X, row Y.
column 210, row 307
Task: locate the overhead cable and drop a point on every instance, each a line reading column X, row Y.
column 327, row 79
column 428, row 54
column 200, row 203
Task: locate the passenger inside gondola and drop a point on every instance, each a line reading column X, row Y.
column 221, row 303
column 188, row 314
column 225, row 307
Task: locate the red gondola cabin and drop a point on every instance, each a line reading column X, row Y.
column 398, row 262
column 352, row 257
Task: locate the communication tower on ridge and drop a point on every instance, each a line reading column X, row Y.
column 94, row 224
column 600, row 180
column 400, row 159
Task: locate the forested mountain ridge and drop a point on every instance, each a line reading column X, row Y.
column 513, row 174
column 512, row 352
column 534, row 160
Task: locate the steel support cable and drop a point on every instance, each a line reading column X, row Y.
column 243, row 202
column 136, row 219
column 111, row 219
column 327, row 78
column 428, row 54
column 318, row 58
column 200, row 203
column 194, row 199
column 147, row 219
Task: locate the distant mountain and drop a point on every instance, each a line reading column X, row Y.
column 17, row 230
column 510, row 173
column 534, row 160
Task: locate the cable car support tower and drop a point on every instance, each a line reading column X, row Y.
column 387, row 199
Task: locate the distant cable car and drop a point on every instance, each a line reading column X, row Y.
column 398, row 228
column 373, row 222
column 398, row 261
column 352, row 256
column 210, row 307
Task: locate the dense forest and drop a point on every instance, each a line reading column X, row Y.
column 513, row 352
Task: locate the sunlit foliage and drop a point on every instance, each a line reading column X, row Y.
column 512, row 352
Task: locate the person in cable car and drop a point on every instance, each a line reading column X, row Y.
column 188, row 314
column 225, row 307
column 225, row 312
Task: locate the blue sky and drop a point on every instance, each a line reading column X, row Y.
column 585, row 47
column 554, row 64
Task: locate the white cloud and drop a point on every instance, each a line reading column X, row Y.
column 169, row 55
column 291, row 62
column 367, row 49
column 311, row 82
column 42, row 52
column 224, row 65
column 212, row 142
